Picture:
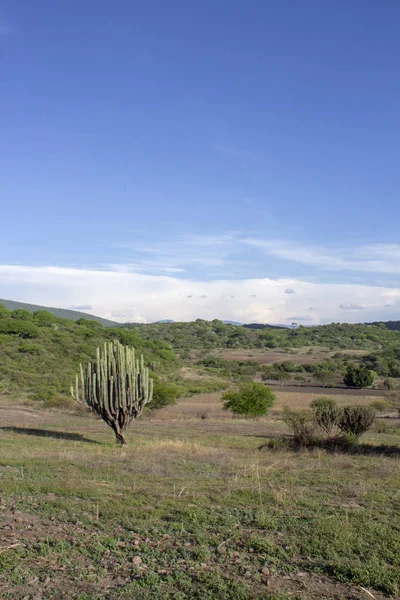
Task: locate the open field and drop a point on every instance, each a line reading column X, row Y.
column 193, row 509
column 298, row 356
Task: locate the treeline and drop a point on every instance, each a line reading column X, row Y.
column 202, row 334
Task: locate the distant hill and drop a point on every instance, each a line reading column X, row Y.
column 265, row 326
column 62, row 313
column 392, row 325
column 232, row 323
column 165, row 321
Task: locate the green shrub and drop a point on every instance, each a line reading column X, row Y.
column 43, row 393
column 326, row 414
column 27, row 348
column 356, row 420
column 60, row 401
column 358, row 377
column 301, row 423
column 390, row 383
column 250, row 399
column 324, row 376
column 24, row 329
column 44, row 318
column 164, row 393
column 22, row 315
column 4, row 312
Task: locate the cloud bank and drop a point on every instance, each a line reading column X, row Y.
column 129, row 296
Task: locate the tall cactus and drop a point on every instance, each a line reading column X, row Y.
column 116, row 386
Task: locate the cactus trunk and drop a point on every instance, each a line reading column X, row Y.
column 116, row 387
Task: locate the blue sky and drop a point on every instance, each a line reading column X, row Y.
column 197, row 159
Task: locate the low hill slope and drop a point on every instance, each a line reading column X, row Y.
column 40, row 353
column 63, row 313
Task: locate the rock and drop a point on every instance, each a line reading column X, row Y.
column 136, row 542
column 265, row 571
column 137, row 560
column 247, row 574
column 221, row 550
column 162, row 571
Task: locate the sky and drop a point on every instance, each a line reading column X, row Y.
column 219, row 159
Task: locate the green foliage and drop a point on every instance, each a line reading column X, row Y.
column 358, row 377
column 326, row 414
column 44, row 318
column 164, row 393
column 22, row 315
column 43, row 393
column 301, row 423
column 29, row 348
column 214, row 334
column 53, row 356
column 390, row 383
column 356, row 420
column 236, row 369
column 324, row 376
column 23, row 328
column 250, row 399
column 4, row 312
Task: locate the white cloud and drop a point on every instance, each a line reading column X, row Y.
column 140, row 297
column 350, row 306
column 81, row 307
column 372, row 258
column 290, row 291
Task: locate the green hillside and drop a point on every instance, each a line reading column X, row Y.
column 41, row 353
column 63, row 313
column 206, row 335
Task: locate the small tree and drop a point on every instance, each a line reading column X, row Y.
column 280, row 375
column 250, row 399
column 22, row 314
column 300, row 422
column 116, row 387
column 267, row 373
column 326, row 414
column 358, row 377
column 390, row 383
column 44, row 318
column 324, row 376
column 356, row 420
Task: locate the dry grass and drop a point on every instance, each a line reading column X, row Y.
column 197, row 502
column 306, row 355
column 209, row 406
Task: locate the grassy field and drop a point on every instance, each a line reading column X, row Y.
column 193, row 509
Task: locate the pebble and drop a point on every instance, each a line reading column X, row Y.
column 137, row 560
column 265, row 571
